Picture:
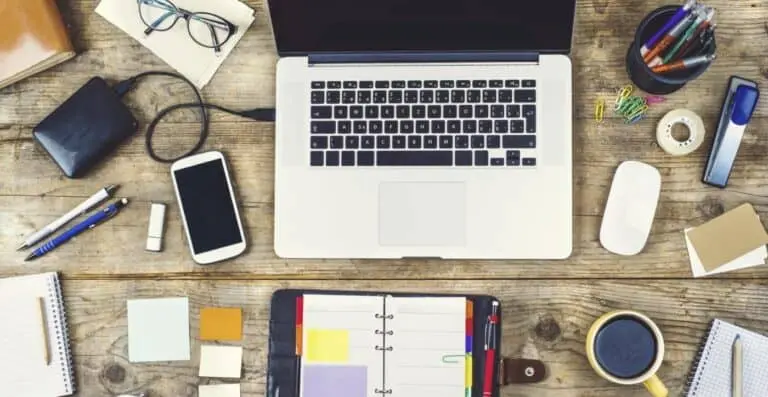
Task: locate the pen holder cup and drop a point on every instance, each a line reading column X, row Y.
column 642, row 75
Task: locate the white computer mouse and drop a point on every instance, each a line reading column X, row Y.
column 630, row 208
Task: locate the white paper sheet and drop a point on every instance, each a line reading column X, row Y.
column 228, row 390
column 158, row 330
column 221, row 361
column 751, row 259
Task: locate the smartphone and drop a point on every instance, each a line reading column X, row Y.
column 208, row 207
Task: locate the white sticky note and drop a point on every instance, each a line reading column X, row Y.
column 158, row 330
column 753, row 258
column 228, row 390
column 221, row 361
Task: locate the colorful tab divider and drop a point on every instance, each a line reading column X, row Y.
column 299, row 325
column 469, row 337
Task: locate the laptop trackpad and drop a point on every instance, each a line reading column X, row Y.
column 422, row 214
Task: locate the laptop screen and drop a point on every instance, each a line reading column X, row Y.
column 311, row 26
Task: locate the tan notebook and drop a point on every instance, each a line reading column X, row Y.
column 32, row 39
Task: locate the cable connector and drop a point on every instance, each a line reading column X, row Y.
column 124, row 86
column 259, row 114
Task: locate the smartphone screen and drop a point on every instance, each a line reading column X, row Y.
column 208, row 206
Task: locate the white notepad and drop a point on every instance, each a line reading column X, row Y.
column 221, row 361
column 158, row 330
column 23, row 343
column 711, row 372
column 224, row 390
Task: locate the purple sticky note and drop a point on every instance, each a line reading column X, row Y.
column 335, row 380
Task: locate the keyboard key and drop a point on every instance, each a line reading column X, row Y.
column 403, row 112
column 390, row 127
column 318, row 97
column 505, row 96
column 345, row 127
column 379, row 97
column 481, row 157
column 361, row 127
column 411, row 96
column 496, row 83
column 513, row 111
column 318, row 85
column 446, row 83
column 382, row 84
column 501, row 126
column 426, row 96
column 525, row 96
column 450, row 111
column 398, row 142
column 465, row 111
column 512, row 83
column 513, row 162
column 446, row 142
column 473, row 96
column 365, row 158
column 363, row 97
column 438, row 127
column 319, row 142
column 398, row 84
column 497, row 162
column 484, row 126
column 332, row 158
column 371, row 112
column 497, row 111
column 351, row 142
column 529, row 161
column 347, row 97
column 454, row 126
column 347, row 158
column 387, row 112
column 419, row 111
column 489, row 96
column 366, row 84
column 333, row 97
column 340, row 112
column 382, row 142
column 461, row 142
column 422, row 126
column 464, row 157
column 529, row 112
column 529, row 83
column 395, row 97
column 367, row 142
column 442, row 96
column 430, row 142
column 463, row 84
column 516, row 126
column 434, row 111
column 479, row 84
column 430, row 84
column 414, row 142
column 481, row 111
column 477, row 142
column 519, row 141
column 334, row 84
column 470, row 126
column 374, row 127
column 356, row 112
column 322, row 127
column 530, row 125
column 414, row 158
column 493, row 142
column 511, row 154
column 316, row 158
column 414, row 84
column 321, row 112
column 406, row 127
column 457, row 96
column 350, row 84
column 337, row 142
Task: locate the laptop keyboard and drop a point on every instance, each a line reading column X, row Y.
column 481, row 123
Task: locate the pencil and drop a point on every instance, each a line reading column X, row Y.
column 46, row 345
column 737, row 367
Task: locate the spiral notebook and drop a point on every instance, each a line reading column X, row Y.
column 711, row 372
column 36, row 358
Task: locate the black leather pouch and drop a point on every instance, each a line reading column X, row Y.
column 85, row 128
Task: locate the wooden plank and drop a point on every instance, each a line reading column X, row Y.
column 541, row 320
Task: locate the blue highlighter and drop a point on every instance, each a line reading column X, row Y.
column 739, row 105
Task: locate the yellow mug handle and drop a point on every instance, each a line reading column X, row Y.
column 656, row 387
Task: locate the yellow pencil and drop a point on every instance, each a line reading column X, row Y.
column 45, row 331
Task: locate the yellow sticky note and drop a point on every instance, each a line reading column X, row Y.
column 218, row 323
column 327, row 345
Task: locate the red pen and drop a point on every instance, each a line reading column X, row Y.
column 490, row 349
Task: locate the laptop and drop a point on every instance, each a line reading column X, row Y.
column 423, row 129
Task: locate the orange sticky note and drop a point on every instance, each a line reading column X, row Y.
column 218, row 323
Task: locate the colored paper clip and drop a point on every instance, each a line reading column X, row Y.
column 599, row 110
column 453, row 358
column 654, row 99
column 624, row 94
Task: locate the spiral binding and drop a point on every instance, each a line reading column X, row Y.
column 383, row 348
column 62, row 332
column 702, row 356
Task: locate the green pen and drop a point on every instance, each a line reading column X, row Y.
column 688, row 35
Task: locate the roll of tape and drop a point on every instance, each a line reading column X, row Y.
column 696, row 132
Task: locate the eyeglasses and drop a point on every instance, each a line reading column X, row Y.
column 206, row 29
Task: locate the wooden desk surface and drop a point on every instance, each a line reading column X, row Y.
column 549, row 305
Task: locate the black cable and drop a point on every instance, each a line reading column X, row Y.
column 127, row 85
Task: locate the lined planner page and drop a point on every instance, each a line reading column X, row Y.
column 428, row 341
column 339, row 356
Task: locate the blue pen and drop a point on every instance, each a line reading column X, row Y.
column 92, row 221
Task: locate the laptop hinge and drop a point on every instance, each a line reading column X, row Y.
column 423, row 57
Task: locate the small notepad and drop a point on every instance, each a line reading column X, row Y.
column 751, row 259
column 228, row 390
column 221, row 361
column 158, row 330
column 711, row 372
column 221, row 323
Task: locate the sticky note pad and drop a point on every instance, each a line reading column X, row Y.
column 327, row 345
column 221, row 361
column 335, row 381
column 158, row 330
column 218, row 323
column 228, row 390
